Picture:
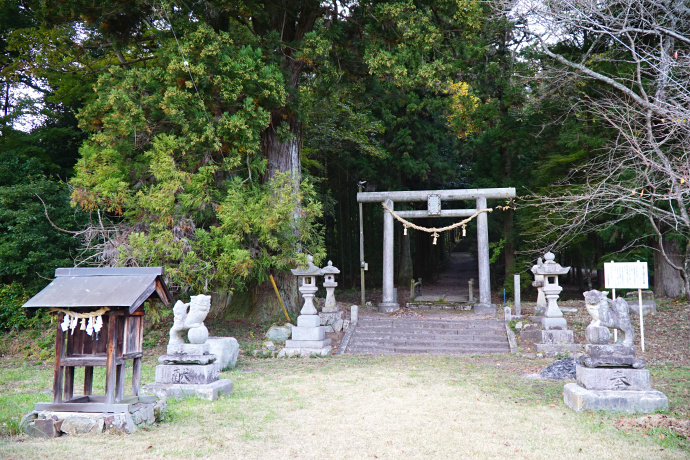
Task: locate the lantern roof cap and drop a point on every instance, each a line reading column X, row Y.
column 310, row 270
column 330, row 269
column 549, row 266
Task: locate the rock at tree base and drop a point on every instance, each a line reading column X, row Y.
column 561, row 369
column 279, row 333
column 648, row 302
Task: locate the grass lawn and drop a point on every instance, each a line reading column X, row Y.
column 356, row 407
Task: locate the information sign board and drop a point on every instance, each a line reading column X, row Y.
column 626, row 275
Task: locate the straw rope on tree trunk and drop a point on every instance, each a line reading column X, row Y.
column 435, row 231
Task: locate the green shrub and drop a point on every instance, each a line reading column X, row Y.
column 12, row 314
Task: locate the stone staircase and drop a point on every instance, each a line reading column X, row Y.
column 386, row 335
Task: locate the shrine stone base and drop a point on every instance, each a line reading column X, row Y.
column 630, row 401
column 51, row 424
column 209, row 391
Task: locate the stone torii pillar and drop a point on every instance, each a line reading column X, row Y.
column 484, row 305
column 389, row 303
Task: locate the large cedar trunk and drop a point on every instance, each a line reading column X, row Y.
column 668, row 281
column 292, row 20
column 259, row 303
column 266, row 306
column 282, row 157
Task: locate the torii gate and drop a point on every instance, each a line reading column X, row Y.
column 434, row 199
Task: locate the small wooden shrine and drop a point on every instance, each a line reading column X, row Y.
column 100, row 322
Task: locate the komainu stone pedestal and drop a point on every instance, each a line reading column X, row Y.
column 613, row 389
column 609, row 376
column 188, row 374
column 189, row 369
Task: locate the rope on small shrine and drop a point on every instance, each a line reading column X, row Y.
column 74, row 314
column 435, row 231
column 91, row 322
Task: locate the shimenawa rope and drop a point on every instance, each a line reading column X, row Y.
column 434, row 231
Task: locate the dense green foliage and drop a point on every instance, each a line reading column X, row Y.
column 223, row 139
column 30, row 188
column 12, row 314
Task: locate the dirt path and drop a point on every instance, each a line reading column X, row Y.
column 453, row 279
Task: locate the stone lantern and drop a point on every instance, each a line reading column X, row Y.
column 308, row 337
column 329, row 283
column 550, row 270
column 307, row 285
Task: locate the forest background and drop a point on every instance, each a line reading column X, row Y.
column 222, row 139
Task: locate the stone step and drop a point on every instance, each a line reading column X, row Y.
column 470, row 324
column 497, row 325
column 376, row 335
column 462, row 306
column 364, row 335
column 430, row 343
column 440, row 334
column 431, row 330
column 422, row 350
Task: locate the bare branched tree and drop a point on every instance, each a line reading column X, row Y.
column 637, row 53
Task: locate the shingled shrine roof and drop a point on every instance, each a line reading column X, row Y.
column 102, row 287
